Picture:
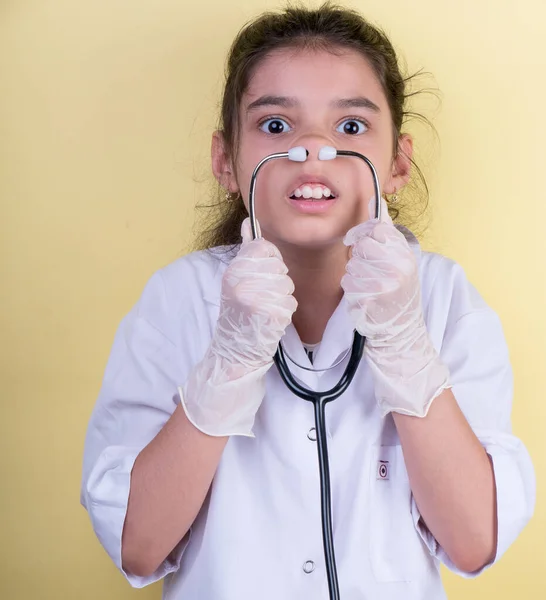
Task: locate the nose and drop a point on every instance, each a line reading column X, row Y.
column 313, row 144
column 301, row 154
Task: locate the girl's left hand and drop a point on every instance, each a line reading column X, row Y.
column 383, row 292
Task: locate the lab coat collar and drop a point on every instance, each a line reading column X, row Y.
column 337, row 338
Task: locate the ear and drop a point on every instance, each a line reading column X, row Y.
column 401, row 165
column 221, row 163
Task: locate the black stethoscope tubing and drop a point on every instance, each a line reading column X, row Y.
column 320, row 399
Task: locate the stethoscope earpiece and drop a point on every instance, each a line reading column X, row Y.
column 327, row 153
column 300, row 154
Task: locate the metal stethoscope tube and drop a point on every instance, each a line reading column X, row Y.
column 319, row 399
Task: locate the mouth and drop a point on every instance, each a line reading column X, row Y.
column 312, row 192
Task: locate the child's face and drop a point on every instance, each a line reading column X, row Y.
column 315, row 83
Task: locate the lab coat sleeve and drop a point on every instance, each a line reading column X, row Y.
column 475, row 350
column 137, row 397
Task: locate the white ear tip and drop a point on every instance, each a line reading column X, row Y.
column 327, row 153
column 298, row 153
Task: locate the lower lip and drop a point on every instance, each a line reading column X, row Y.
column 312, row 206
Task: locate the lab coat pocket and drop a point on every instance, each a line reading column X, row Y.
column 396, row 550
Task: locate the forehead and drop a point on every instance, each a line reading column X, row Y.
column 297, row 72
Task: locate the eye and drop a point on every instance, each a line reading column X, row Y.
column 274, row 125
column 352, row 126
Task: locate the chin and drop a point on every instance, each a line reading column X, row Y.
column 304, row 237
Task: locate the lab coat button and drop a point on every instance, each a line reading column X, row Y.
column 312, row 434
column 308, row 566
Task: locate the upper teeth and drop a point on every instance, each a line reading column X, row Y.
column 312, row 191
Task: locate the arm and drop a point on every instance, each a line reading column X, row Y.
column 149, row 462
column 137, row 438
column 472, row 481
column 452, row 480
column 169, row 482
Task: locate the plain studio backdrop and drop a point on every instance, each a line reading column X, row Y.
column 106, row 112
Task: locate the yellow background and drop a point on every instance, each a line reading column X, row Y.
column 106, row 110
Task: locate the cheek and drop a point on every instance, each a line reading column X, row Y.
column 243, row 172
column 378, row 148
column 382, row 164
column 267, row 185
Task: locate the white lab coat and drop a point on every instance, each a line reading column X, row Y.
column 258, row 535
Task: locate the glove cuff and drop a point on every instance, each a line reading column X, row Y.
column 226, row 409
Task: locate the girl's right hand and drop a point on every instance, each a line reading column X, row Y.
column 225, row 390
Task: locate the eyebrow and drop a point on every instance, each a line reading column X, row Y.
column 358, row 102
column 290, row 102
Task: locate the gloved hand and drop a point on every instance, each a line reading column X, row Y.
column 225, row 390
column 383, row 293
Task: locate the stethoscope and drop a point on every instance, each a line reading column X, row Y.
column 319, row 399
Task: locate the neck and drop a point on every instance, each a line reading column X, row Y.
column 316, row 273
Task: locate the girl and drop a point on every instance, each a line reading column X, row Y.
column 200, row 465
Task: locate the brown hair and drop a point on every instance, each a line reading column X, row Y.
column 329, row 27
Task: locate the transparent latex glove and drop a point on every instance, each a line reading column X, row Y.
column 225, row 390
column 383, row 292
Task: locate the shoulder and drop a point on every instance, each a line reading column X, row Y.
column 469, row 337
column 451, row 303
column 196, row 275
column 187, row 287
column 444, row 284
column 445, row 281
